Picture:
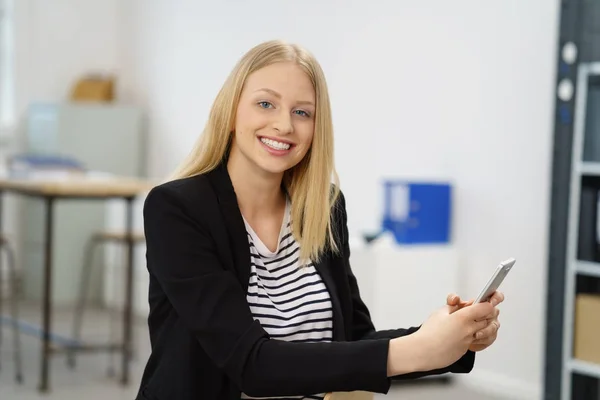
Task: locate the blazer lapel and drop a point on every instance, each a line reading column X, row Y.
column 324, row 269
column 234, row 222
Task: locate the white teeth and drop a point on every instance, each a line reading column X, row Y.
column 274, row 144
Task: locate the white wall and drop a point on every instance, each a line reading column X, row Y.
column 461, row 90
column 56, row 42
column 504, row 184
column 59, row 41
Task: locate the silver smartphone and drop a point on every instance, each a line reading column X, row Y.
column 495, row 281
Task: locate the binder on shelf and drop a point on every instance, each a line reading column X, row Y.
column 591, row 148
column 587, row 246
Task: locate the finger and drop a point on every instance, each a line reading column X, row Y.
column 489, row 331
column 486, row 341
column 497, row 298
column 453, row 299
column 453, row 309
column 479, row 326
column 491, row 316
column 494, row 315
column 465, row 303
column 475, row 326
column 477, row 312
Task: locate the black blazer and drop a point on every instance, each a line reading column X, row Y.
column 206, row 344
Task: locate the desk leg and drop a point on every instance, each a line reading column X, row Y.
column 47, row 297
column 1, row 278
column 127, row 314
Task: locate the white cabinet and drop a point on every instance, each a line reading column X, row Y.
column 403, row 285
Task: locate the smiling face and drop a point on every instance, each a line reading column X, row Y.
column 275, row 119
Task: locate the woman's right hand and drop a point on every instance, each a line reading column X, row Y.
column 441, row 341
column 447, row 334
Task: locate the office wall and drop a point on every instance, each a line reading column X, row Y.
column 55, row 43
column 460, row 90
column 504, row 182
column 58, row 41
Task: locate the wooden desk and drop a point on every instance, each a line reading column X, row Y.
column 88, row 187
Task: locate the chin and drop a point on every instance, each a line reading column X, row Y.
column 275, row 168
column 277, row 165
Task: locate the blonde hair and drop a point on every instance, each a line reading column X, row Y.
column 309, row 182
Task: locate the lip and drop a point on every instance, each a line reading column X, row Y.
column 276, row 139
column 275, row 152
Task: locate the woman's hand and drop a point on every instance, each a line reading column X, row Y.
column 485, row 337
column 448, row 333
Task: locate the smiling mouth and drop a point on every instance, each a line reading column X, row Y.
column 275, row 145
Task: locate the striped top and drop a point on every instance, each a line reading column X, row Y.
column 291, row 302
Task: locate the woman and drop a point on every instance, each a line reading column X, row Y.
column 251, row 290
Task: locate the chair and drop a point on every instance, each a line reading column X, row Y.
column 14, row 303
column 97, row 239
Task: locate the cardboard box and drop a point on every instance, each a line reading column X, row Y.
column 587, row 328
column 94, row 88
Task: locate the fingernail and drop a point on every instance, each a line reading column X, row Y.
column 494, row 302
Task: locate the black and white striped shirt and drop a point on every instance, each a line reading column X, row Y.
column 291, row 302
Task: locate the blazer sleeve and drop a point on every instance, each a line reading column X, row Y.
column 362, row 325
column 210, row 302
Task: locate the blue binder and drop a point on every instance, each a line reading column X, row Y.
column 418, row 212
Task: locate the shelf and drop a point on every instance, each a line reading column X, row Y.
column 589, row 168
column 594, row 68
column 588, row 268
column 585, row 368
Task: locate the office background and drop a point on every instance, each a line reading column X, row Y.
column 461, row 91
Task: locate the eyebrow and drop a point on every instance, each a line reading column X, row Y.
column 274, row 93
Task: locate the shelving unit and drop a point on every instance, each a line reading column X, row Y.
column 584, row 368
column 580, row 170
column 589, row 168
column 587, row 268
column 572, row 267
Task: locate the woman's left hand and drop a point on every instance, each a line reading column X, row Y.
column 487, row 336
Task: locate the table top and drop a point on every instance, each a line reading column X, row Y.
column 88, row 185
column 358, row 395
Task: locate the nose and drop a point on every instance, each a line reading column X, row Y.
column 283, row 123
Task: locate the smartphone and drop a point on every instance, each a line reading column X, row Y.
column 495, row 281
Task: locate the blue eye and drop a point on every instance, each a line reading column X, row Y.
column 265, row 104
column 302, row 113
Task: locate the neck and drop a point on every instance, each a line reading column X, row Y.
column 257, row 193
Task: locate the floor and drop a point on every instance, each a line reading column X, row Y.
column 90, row 379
